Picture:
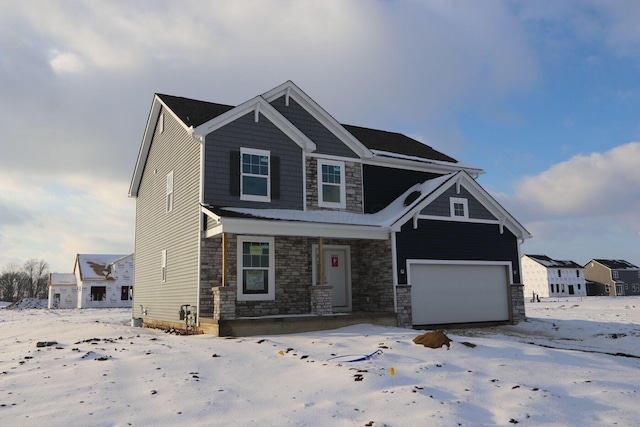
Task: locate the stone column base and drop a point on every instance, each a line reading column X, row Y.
column 517, row 304
column 403, row 300
column 321, row 299
column 224, row 302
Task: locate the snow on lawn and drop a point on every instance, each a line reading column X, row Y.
column 573, row 363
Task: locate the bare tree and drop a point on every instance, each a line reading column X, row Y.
column 13, row 283
column 36, row 271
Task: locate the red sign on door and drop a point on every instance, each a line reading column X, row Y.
column 334, row 260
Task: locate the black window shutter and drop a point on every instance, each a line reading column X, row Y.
column 275, row 178
column 234, row 173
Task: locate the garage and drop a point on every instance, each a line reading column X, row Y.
column 452, row 292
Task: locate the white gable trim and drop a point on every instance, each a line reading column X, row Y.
column 291, row 91
column 464, row 179
column 259, row 106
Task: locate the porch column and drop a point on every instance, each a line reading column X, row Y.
column 224, row 302
column 405, row 313
column 517, row 303
column 321, row 299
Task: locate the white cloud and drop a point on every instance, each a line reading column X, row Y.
column 68, row 62
column 586, row 207
column 585, row 185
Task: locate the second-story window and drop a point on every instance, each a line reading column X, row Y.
column 255, row 177
column 559, row 273
column 614, row 274
column 331, row 184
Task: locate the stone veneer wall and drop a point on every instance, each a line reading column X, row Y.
column 293, row 279
column 372, row 276
column 353, row 186
column 210, row 273
column 517, row 303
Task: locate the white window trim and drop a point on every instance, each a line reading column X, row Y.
column 271, row 293
column 169, row 198
column 343, row 200
column 163, row 266
column 252, row 197
column 453, row 201
column 614, row 274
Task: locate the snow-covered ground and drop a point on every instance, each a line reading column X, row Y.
column 573, row 363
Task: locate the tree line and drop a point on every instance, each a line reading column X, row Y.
column 28, row 281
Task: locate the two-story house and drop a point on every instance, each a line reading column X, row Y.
column 614, row 277
column 271, row 216
column 544, row 277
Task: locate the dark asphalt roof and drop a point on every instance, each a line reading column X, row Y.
column 194, row 113
column 617, row 264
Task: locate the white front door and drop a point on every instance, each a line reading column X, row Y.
column 336, row 266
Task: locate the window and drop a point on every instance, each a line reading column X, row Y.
column 635, row 287
column 255, row 180
column 559, row 273
column 331, row 184
column 256, row 268
column 563, row 288
column 459, row 208
column 163, row 266
column 614, row 274
column 607, row 289
column 98, row 293
column 170, row 191
column 577, row 273
column 126, row 293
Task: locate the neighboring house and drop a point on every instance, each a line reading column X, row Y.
column 544, row 277
column 618, row 277
column 97, row 281
column 63, row 290
column 272, row 217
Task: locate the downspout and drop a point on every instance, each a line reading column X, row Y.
column 224, row 259
column 320, row 261
column 394, row 270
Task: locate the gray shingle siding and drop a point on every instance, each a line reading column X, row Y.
column 326, row 142
column 175, row 231
column 442, row 207
column 264, row 135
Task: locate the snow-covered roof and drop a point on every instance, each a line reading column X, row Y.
column 384, row 218
column 58, row 279
column 549, row 262
column 96, row 266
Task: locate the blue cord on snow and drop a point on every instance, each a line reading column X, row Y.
column 359, row 359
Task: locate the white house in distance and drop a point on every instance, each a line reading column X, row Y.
column 97, row 281
column 63, row 290
column 545, row 277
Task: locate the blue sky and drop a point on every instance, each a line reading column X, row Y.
column 543, row 95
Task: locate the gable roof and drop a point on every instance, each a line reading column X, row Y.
column 201, row 117
column 616, row 264
column 397, row 143
column 549, row 262
column 192, row 112
column 96, row 266
column 61, row 279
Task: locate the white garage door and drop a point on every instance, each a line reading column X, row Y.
column 458, row 293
